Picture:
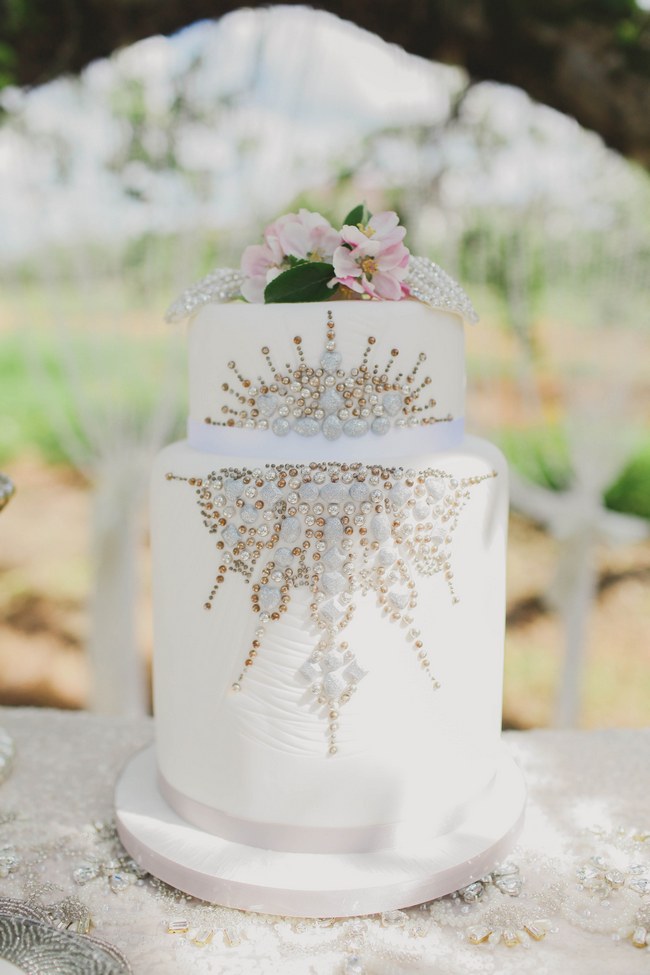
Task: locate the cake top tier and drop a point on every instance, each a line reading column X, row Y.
column 304, row 259
column 339, row 377
column 329, row 336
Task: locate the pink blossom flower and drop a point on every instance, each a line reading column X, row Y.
column 304, row 235
column 307, row 236
column 372, row 260
column 260, row 263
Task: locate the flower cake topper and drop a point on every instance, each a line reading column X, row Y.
column 302, row 258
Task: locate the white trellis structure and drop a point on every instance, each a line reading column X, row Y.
column 599, row 422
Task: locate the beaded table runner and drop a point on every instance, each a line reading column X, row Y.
column 574, row 896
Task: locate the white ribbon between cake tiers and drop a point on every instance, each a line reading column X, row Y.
column 262, row 445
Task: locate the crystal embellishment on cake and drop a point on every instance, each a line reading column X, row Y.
column 426, row 280
column 322, row 398
column 341, row 530
column 303, row 258
column 430, row 284
column 222, row 284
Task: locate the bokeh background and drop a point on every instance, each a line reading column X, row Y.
column 147, row 146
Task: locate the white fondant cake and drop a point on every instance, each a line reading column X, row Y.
column 328, row 559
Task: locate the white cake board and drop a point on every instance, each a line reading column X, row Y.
column 313, row 884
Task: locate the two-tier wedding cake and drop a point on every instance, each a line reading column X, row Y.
column 328, row 568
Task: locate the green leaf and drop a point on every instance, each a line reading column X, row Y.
column 306, row 282
column 359, row 214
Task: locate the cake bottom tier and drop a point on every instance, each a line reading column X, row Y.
column 328, row 643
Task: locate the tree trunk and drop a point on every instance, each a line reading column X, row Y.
column 589, row 59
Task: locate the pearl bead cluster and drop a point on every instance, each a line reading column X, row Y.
column 337, row 529
column 222, row 284
column 430, row 284
column 322, row 398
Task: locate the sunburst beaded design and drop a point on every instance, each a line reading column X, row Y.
column 339, row 530
column 322, row 397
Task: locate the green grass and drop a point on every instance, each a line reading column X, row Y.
column 540, row 455
column 25, row 422
column 117, row 380
column 631, row 492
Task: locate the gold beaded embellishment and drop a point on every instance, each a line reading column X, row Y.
column 337, row 529
column 312, row 398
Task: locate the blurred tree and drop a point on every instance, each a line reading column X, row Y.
column 587, row 58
